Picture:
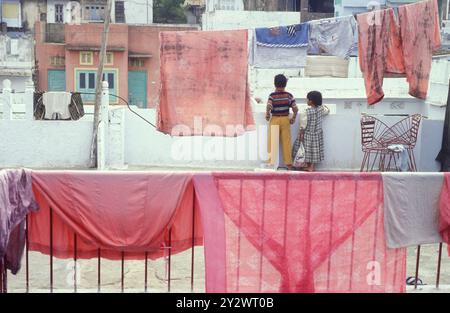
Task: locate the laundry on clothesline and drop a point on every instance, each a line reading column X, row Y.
column 334, row 36
column 204, row 84
column 262, row 235
column 280, row 47
column 383, row 49
column 58, row 105
column 16, row 201
column 411, row 208
column 121, row 213
column 326, row 66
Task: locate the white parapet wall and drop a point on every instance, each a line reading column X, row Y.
column 133, row 142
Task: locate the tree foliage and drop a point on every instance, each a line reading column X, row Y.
column 168, row 12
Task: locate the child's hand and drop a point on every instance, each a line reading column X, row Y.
column 301, row 134
column 267, row 117
column 292, row 120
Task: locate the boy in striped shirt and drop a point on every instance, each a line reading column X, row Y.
column 277, row 112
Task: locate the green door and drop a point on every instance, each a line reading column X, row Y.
column 137, row 88
column 56, row 80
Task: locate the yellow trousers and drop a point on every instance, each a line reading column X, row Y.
column 280, row 128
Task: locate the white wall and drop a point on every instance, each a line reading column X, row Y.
column 44, row 144
column 67, row 10
column 133, row 142
column 225, row 20
column 139, row 11
column 237, row 5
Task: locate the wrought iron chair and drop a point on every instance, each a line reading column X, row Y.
column 373, row 135
column 377, row 137
column 406, row 132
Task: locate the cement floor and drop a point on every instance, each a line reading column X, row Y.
column 181, row 273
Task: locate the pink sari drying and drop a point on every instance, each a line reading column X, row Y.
column 116, row 212
column 292, row 232
column 204, row 87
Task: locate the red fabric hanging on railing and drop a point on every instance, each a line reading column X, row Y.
column 293, row 232
column 114, row 211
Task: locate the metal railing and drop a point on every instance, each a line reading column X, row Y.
column 51, row 269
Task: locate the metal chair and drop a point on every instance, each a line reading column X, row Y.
column 377, row 137
column 406, row 132
column 373, row 136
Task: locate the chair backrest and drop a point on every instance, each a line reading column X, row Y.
column 374, row 133
column 406, row 131
column 367, row 129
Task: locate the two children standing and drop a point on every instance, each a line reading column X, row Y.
column 277, row 112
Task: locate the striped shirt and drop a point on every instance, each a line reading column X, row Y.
column 281, row 101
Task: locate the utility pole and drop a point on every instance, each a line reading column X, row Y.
column 98, row 89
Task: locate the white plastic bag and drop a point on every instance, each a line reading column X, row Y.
column 299, row 160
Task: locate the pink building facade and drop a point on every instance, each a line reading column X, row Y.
column 131, row 65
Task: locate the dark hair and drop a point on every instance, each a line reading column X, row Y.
column 280, row 81
column 315, row 97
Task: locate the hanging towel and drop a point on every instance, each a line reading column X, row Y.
column 204, row 83
column 57, row 105
column 280, row 47
column 379, row 50
column 419, row 25
column 116, row 212
column 335, row 36
column 293, row 36
column 16, row 201
column 326, row 66
column 411, row 208
column 262, row 235
column 444, row 155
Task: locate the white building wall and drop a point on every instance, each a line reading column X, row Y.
column 235, row 5
column 139, row 11
column 226, row 20
column 72, row 11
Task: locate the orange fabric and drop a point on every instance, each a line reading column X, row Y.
column 204, row 82
column 419, row 25
column 116, row 212
column 380, row 50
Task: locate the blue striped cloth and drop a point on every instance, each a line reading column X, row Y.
column 292, row 36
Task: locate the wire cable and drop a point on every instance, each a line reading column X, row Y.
column 128, row 106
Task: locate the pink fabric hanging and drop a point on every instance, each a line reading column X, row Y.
column 380, row 50
column 401, row 48
column 419, row 26
column 296, row 232
column 117, row 212
column 204, row 85
column 444, row 211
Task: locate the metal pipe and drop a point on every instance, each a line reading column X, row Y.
column 417, row 266
column 193, row 242
column 123, row 271
column 170, row 259
column 146, row 271
column 27, row 249
column 99, row 270
column 51, row 250
column 438, row 273
column 75, row 263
